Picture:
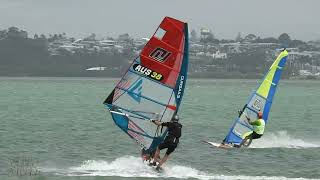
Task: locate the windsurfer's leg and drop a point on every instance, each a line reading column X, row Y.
column 145, row 155
column 256, row 135
column 156, row 156
column 163, row 160
column 245, row 140
column 164, row 145
column 152, row 155
column 170, row 149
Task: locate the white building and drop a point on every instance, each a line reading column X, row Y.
column 219, row 55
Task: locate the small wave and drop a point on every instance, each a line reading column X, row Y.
column 129, row 166
column 282, row 139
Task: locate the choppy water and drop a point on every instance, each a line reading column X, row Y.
column 62, row 124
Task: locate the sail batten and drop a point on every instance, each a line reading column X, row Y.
column 141, row 96
column 139, row 116
column 153, row 85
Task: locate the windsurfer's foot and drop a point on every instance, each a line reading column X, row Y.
column 158, row 168
column 236, row 146
column 152, row 164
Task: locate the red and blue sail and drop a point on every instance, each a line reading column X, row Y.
column 259, row 101
column 153, row 86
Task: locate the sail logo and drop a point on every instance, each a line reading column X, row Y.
column 180, row 87
column 147, row 72
column 257, row 104
column 135, row 90
column 160, row 54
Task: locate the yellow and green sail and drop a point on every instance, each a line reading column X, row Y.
column 259, row 101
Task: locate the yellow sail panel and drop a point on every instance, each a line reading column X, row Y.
column 264, row 88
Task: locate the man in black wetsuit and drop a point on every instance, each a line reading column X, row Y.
column 171, row 141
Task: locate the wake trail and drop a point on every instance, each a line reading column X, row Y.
column 129, row 166
column 282, row 139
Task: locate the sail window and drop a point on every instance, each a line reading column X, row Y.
column 160, row 33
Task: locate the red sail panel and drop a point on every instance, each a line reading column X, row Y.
column 164, row 52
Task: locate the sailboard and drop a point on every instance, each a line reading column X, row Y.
column 259, row 101
column 153, row 85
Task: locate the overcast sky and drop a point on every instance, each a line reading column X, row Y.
column 78, row 18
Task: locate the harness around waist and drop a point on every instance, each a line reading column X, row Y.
column 172, row 139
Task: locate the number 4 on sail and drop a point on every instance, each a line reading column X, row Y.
column 253, row 117
column 153, row 86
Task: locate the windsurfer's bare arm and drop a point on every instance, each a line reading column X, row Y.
column 156, row 122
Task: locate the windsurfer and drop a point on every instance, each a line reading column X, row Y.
column 170, row 142
column 244, row 129
column 258, row 130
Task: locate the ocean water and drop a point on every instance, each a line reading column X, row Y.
column 62, row 125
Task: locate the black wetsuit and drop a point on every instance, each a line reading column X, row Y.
column 172, row 139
